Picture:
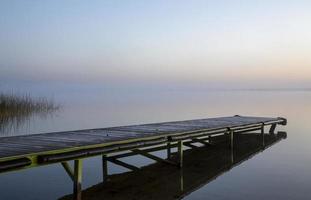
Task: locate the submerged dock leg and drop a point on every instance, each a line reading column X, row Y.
column 272, row 128
column 263, row 135
column 232, row 145
column 232, row 156
column 181, row 180
column 77, row 183
column 231, row 140
column 105, row 168
column 180, row 153
column 168, row 150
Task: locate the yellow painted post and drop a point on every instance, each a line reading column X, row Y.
column 105, row 168
column 263, row 136
column 231, row 140
column 77, row 183
column 180, row 153
column 232, row 156
column 168, row 147
column 181, row 180
column 272, row 129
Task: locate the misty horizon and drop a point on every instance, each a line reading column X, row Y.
column 205, row 44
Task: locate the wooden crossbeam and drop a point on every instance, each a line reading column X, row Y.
column 272, row 128
column 202, row 141
column 68, row 170
column 121, row 163
column 159, row 148
column 153, row 157
column 189, row 144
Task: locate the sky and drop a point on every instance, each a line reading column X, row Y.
column 220, row 44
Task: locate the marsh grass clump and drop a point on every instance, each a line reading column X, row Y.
column 18, row 104
column 16, row 109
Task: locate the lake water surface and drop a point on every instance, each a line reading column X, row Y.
column 280, row 172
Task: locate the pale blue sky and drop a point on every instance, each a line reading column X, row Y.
column 264, row 43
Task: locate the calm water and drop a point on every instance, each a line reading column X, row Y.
column 282, row 171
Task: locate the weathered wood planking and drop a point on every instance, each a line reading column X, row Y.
column 40, row 143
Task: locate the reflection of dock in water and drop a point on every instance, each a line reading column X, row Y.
column 201, row 165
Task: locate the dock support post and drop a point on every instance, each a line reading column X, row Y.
column 180, row 153
column 181, row 180
column 232, row 156
column 231, row 139
column 168, row 150
column 263, row 135
column 272, row 128
column 105, row 168
column 77, row 183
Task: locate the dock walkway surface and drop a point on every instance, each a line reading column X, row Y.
column 21, row 152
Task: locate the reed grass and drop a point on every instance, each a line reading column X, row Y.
column 16, row 109
column 11, row 104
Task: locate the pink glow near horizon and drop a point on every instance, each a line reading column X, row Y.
column 251, row 42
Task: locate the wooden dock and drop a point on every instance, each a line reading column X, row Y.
column 201, row 166
column 21, row 152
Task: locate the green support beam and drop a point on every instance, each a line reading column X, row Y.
column 180, row 153
column 77, row 183
column 181, row 181
column 168, row 150
column 152, row 149
column 68, row 170
column 202, row 141
column 263, row 135
column 272, row 129
column 231, row 139
column 189, row 144
column 232, row 155
column 123, row 164
column 153, row 157
column 105, row 168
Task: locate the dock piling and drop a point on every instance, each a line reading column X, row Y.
column 168, row 150
column 272, row 128
column 263, row 135
column 105, row 168
column 180, row 153
column 77, row 183
column 181, row 181
column 231, row 139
